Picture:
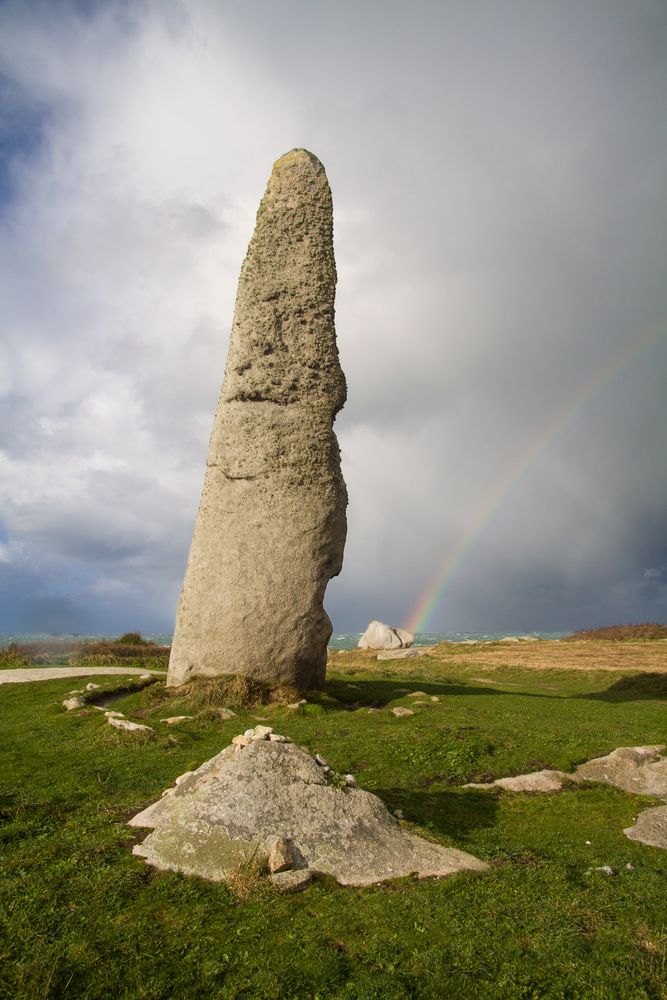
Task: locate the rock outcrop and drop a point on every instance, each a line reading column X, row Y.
column 641, row 770
column 271, row 525
column 269, row 800
column 380, row 636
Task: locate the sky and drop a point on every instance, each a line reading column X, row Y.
column 499, row 177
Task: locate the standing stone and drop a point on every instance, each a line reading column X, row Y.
column 271, row 525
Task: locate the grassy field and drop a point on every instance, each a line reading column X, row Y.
column 82, row 917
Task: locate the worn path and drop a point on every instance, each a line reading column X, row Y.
column 22, row 674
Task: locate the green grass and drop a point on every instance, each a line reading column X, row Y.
column 82, row 917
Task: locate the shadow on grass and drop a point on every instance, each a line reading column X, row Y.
column 632, row 687
column 377, row 693
column 452, row 813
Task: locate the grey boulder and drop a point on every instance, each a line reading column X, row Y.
column 245, row 800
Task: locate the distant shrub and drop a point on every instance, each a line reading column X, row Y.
column 130, row 646
column 623, row 633
column 132, row 639
column 13, row 656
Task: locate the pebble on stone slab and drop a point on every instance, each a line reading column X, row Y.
column 292, row 881
column 241, row 741
column 280, row 856
column 261, row 733
column 278, row 738
column 350, row 781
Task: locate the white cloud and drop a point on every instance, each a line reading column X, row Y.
column 498, row 221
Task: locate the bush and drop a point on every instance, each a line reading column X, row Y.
column 624, row 633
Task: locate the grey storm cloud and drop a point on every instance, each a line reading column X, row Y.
column 498, row 180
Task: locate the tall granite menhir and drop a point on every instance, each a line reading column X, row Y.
column 271, row 525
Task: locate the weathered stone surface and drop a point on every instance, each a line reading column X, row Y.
column 173, row 720
column 536, row 781
column 650, row 827
column 271, row 525
column 130, row 727
column 634, row 769
column 401, row 712
column 72, row 703
column 292, row 881
column 280, row 856
column 381, row 636
column 400, row 654
column 236, row 805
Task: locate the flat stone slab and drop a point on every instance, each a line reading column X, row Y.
column 642, row 770
column 650, row 828
column 536, row 781
column 21, row 675
column 400, row 654
column 239, row 803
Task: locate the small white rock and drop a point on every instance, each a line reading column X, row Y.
column 145, row 677
column 629, row 867
column 225, row 714
column 398, row 813
column 604, row 868
column 434, row 697
column 249, row 733
column 130, row 727
column 92, row 687
column 114, row 715
column 350, row 781
column 321, row 761
column 278, row 738
column 71, row 703
column 173, row 720
column 261, row 733
column 241, row 741
column 401, row 712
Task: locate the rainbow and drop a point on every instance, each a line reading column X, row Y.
column 512, row 475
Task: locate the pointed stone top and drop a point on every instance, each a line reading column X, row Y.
column 297, row 179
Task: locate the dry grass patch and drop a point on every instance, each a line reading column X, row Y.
column 581, row 654
column 206, row 696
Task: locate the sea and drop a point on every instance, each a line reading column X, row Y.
column 339, row 640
